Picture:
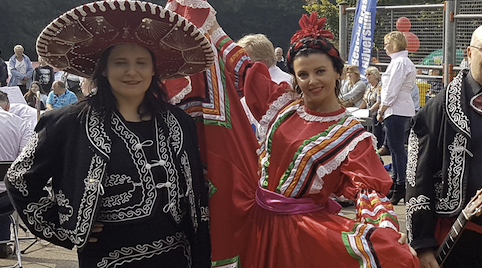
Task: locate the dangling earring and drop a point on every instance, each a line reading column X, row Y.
column 297, row 89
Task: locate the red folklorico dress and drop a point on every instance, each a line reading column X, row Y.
column 282, row 215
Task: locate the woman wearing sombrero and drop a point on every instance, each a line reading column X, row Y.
column 127, row 186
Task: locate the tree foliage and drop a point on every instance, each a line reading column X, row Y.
column 330, row 10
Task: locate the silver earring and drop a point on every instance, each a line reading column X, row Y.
column 297, row 89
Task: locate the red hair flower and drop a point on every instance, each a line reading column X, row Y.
column 312, row 27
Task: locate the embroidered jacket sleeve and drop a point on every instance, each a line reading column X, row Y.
column 366, row 182
column 200, row 237
column 28, row 177
column 355, row 93
column 253, row 79
column 425, row 157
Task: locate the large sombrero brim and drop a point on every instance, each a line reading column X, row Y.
column 75, row 41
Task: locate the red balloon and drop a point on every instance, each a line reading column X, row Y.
column 403, row 24
column 412, row 40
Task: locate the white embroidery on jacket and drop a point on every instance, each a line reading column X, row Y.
column 455, row 171
column 125, row 255
column 22, row 164
column 413, row 150
column 454, row 106
column 62, row 201
column 422, row 202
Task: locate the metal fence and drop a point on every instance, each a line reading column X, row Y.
column 443, row 30
column 426, row 23
column 468, row 16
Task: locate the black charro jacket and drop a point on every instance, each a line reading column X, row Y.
column 72, row 146
column 439, row 157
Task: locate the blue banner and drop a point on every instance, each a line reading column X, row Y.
column 362, row 35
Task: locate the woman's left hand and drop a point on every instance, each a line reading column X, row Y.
column 403, row 240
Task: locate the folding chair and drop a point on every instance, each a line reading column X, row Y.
column 8, row 210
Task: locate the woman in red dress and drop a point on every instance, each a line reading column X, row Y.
column 311, row 147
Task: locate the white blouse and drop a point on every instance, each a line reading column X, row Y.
column 397, row 82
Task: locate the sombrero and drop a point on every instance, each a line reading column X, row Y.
column 75, row 41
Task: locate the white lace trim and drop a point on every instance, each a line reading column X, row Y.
column 193, row 3
column 272, row 113
column 314, row 118
column 210, row 19
column 217, row 35
column 179, row 96
column 340, row 157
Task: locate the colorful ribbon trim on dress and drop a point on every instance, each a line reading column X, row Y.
column 281, row 204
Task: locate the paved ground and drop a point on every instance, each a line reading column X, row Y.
column 42, row 254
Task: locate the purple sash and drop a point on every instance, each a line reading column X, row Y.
column 281, row 204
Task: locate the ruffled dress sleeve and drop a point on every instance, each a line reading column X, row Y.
column 367, row 182
column 251, row 79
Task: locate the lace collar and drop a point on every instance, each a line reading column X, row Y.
column 313, row 116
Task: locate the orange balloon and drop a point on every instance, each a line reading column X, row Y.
column 412, row 40
column 403, row 24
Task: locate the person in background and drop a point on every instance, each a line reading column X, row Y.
column 87, row 87
column 25, row 112
column 436, row 83
column 3, row 72
column 351, row 94
column 260, row 49
column 396, row 106
column 44, row 74
column 464, row 64
column 127, row 181
column 14, row 135
column 371, row 101
column 60, row 96
column 445, row 152
column 280, row 60
column 21, row 69
column 31, row 96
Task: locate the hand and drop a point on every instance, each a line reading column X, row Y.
column 379, row 118
column 25, row 78
column 403, row 240
column 427, row 259
column 98, row 227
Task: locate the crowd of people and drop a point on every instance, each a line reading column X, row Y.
column 161, row 143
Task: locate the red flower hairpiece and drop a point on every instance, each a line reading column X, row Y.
column 312, row 27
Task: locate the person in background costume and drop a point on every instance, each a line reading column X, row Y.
column 443, row 171
column 127, row 185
